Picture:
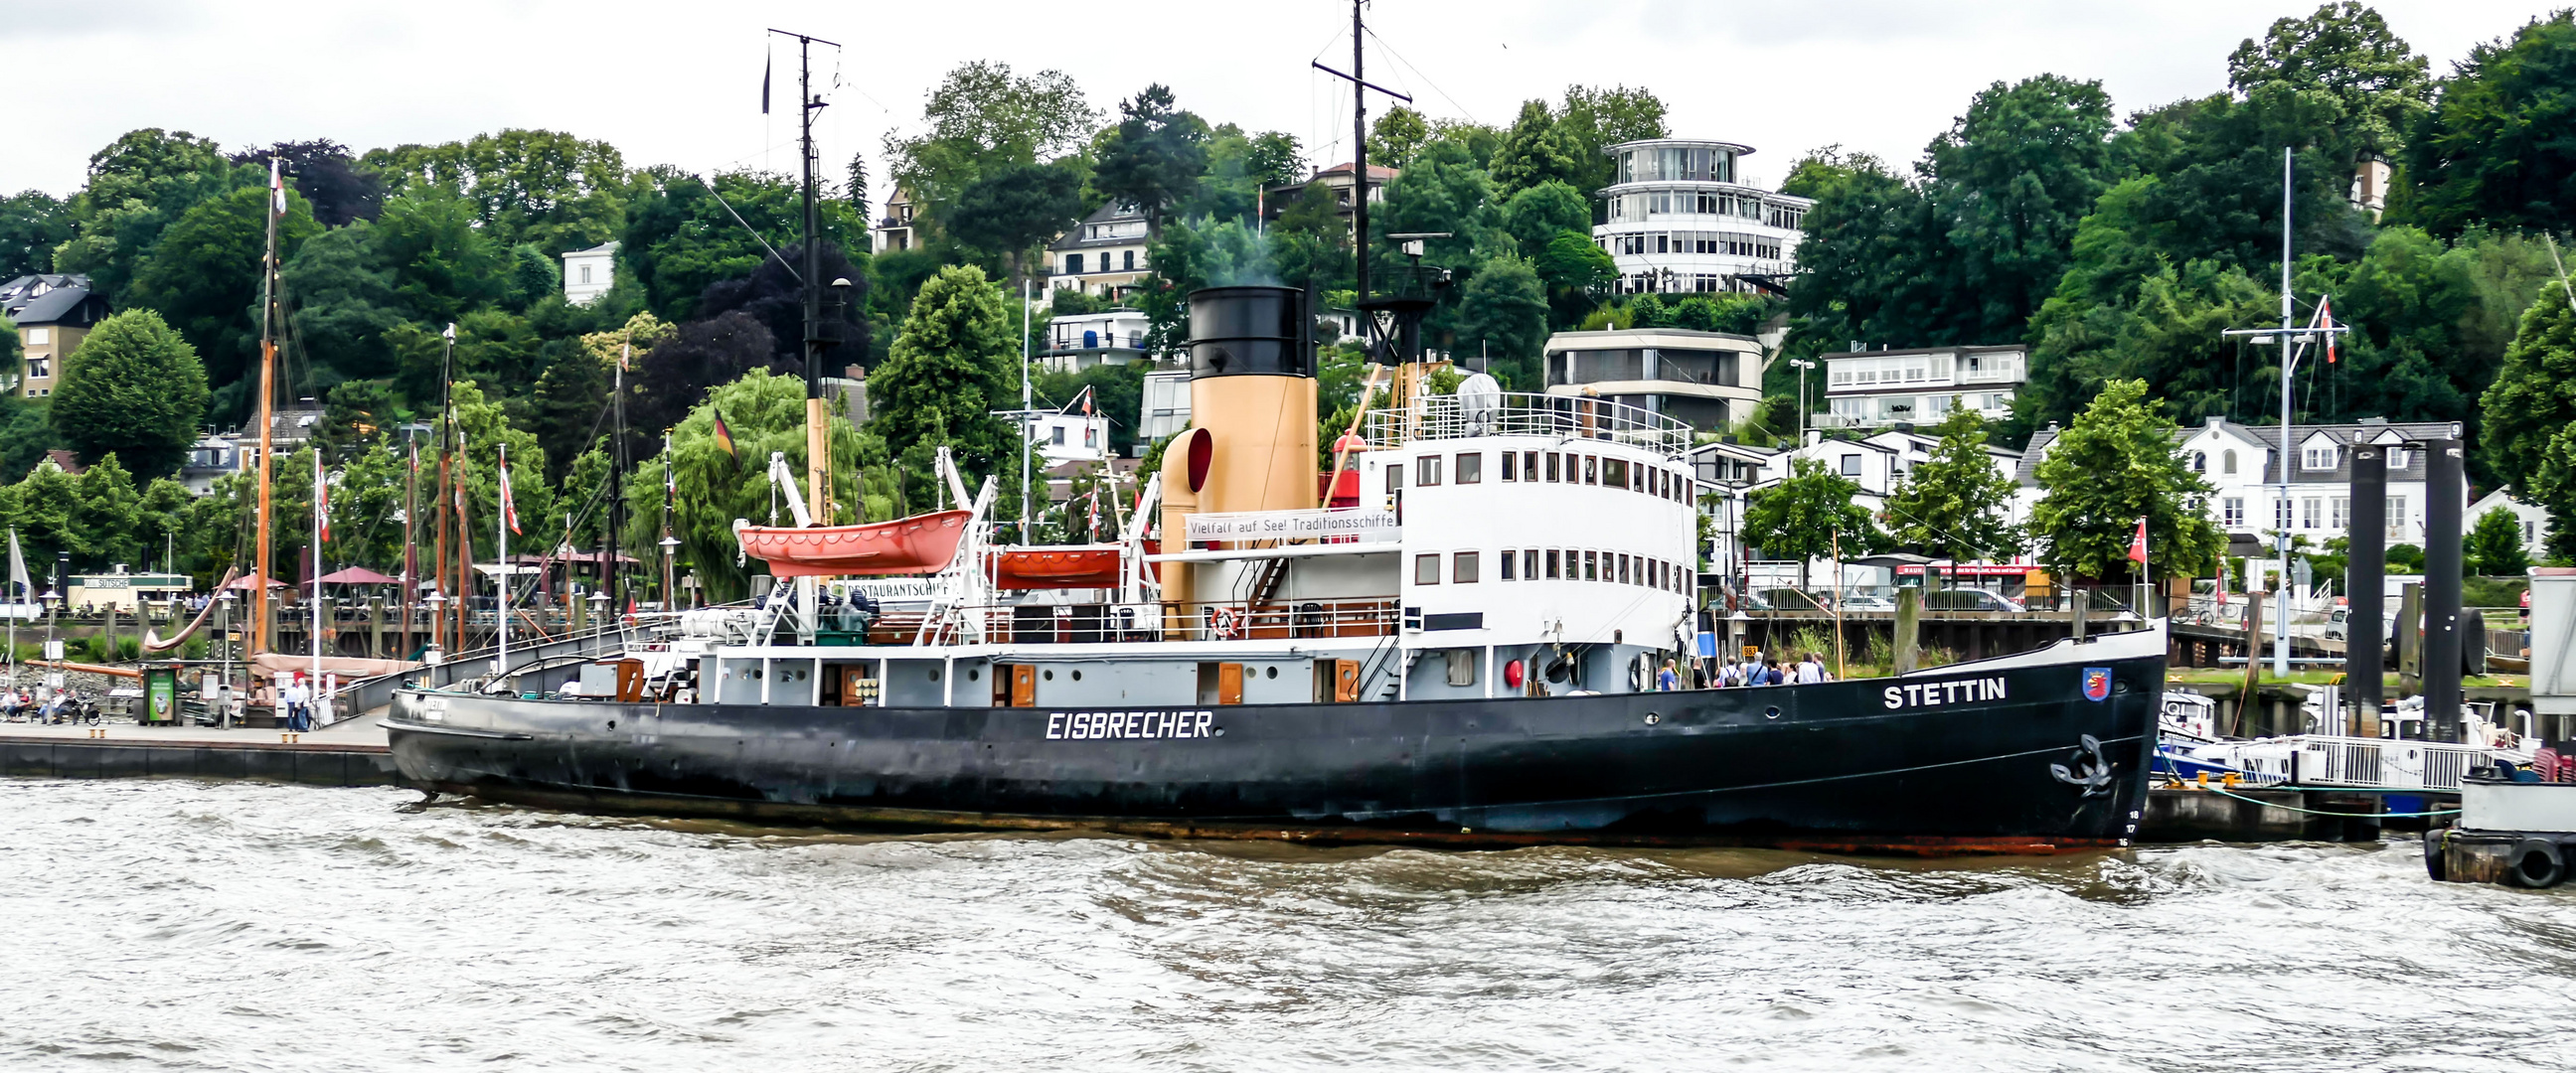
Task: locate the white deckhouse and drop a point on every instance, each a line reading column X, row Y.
column 1683, row 221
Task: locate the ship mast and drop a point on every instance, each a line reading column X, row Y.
column 818, row 453
column 258, row 632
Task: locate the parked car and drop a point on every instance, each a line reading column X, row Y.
column 1867, row 602
column 2387, row 626
column 1969, row 600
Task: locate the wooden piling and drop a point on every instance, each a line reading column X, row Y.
column 1909, row 618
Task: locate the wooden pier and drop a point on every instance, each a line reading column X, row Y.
column 350, row 753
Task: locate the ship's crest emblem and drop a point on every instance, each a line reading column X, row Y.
column 2097, row 683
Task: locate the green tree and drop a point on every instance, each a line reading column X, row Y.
column 1502, row 314
column 981, row 116
column 1535, row 215
column 135, row 389
column 2115, row 465
column 1576, row 272
column 2494, row 147
column 2494, row 545
column 765, row 413
column 1537, row 150
column 32, row 223
column 1311, row 242
column 1154, row 158
column 542, row 187
column 203, row 275
column 1599, row 118
column 441, row 261
column 1398, row 133
column 2529, row 415
column 343, row 304
column 1444, row 191
column 2346, row 53
column 1956, row 504
column 948, row 370
column 138, row 185
column 1014, row 207
column 1808, row 516
column 108, row 514
column 25, row 434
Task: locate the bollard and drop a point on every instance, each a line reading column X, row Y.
column 2080, row 600
column 1909, row 617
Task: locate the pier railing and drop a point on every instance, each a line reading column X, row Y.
column 2383, row 764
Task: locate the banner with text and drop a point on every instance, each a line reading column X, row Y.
column 1361, row 526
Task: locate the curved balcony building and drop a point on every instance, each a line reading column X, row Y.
column 1681, row 221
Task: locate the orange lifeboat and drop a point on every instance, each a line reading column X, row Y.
column 1084, row 567
column 921, row 544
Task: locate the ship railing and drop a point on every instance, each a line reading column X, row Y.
column 1450, row 417
column 1116, row 623
column 2380, row 763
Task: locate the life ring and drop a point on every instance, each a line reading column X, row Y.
column 1225, row 622
column 2536, row 863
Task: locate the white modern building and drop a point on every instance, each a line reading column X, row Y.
column 1167, row 405
column 1708, row 380
column 1682, row 220
column 589, row 273
column 1878, row 388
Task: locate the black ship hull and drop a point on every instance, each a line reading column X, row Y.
column 2010, row 758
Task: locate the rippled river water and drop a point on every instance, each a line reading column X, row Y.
column 170, row 925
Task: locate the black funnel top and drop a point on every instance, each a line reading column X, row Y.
column 1249, row 331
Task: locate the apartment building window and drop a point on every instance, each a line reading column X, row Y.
column 1131, row 260
column 585, row 278
column 39, row 336
column 2280, row 514
column 2396, row 512
column 39, row 368
column 2342, row 512
column 2227, row 462
column 2311, row 512
column 1073, row 264
column 2200, row 461
column 2317, row 458
column 1851, row 465
column 2231, row 512
column 2397, row 459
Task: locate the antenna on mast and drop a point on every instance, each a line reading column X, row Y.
column 1360, row 85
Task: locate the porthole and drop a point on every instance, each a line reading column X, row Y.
column 1077, row 676
column 1048, row 675
column 1270, row 672
column 974, row 675
column 934, row 674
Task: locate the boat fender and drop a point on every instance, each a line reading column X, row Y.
column 2435, row 864
column 2536, row 863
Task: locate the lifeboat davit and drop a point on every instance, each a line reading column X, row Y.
column 921, row 544
column 1078, row 567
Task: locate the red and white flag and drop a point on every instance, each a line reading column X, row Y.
column 2325, row 312
column 321, row 501
column 276, row 186
column 509, row 509
column 2138, row 547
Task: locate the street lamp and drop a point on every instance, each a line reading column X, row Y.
column 224, row 633
column 437, row 604
column 1802, row 365
column 599, row 618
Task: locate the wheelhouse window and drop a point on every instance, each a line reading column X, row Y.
column 1426, row 471
column 1510, row 560
column 1529, row 565
column 1552, row 458
column 1591, row 469
column 1511, row 465
column 1426, row 569
column 1614, row 472
column 1591, row 566
column 1529, row 465
column 1471, row 467
column 1552, row 564
column 1464, row 568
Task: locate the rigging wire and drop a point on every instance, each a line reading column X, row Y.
column 1426, row 79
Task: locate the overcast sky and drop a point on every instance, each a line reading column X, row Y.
column 678, row 83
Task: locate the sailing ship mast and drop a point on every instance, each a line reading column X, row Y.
column 268, row 282
column 818, row 454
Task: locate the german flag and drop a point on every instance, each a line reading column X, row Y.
column 724, row 436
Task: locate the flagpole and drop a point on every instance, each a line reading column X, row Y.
column 501, row 526
column 321, row 509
